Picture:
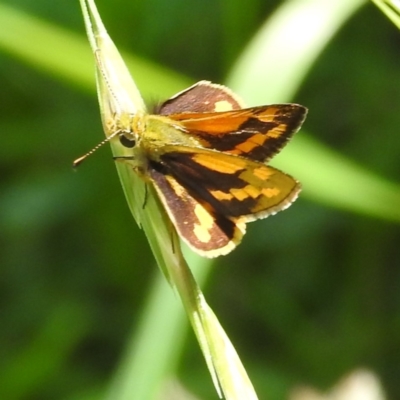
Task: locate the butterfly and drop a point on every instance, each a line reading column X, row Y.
column 206, row 157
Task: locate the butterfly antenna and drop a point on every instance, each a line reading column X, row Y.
column 79, row 160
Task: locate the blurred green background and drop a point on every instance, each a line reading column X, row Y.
column 310, row 295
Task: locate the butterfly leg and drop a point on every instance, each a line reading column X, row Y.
column 146, row 192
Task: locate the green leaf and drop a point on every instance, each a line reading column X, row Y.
column 391, row 9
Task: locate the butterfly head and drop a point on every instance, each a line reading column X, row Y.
column 126, row 128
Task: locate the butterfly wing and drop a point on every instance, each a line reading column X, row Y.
column 202, row 228
column 210, row 195
column 202, row 97
column 215, row 116
column 256, row 133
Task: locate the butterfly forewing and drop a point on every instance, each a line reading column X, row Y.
column 232, row 186
column 210, row 195
column 255, row 133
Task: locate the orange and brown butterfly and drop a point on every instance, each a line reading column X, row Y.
column 206, row 157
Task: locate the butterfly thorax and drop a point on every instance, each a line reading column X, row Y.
column 149, row 137
column 158, row 132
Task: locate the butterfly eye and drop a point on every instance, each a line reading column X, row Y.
column 127, row 142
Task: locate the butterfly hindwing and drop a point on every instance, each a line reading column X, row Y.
column 202, row 97
column 205, row 231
